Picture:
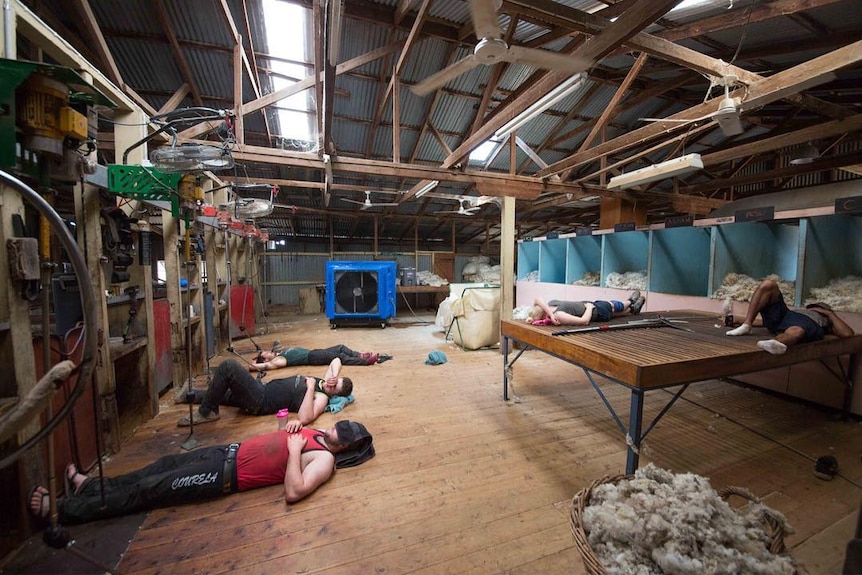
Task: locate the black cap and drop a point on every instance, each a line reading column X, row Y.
column 349, row 432
column 357, row 443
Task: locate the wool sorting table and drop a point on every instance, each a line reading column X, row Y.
column 661, row 356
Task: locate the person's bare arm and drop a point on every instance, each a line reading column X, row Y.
column 839, row 326
column 334, row 369
column 545, row 307
column 277, row 362
column 563, row 318
column 301, row 480
column 313, row 403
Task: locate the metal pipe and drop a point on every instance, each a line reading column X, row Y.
column 8, row 31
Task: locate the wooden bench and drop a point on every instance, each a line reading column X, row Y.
column 650, row 358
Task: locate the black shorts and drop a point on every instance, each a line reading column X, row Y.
column 604, row 311
column 777, row 317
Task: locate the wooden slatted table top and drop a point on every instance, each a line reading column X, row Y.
column 654, row 357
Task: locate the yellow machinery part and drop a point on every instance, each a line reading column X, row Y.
column 187, row 188
column 39, row 110
column 73, row 123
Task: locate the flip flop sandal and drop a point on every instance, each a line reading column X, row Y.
column 826, row 467
column 69, row 482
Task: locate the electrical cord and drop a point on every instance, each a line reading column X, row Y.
column 421, row 321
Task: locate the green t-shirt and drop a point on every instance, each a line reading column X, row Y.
column 295, row 356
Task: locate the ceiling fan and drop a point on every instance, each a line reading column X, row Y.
column 191, row 158
column 368, row 203
column 727, row 115
column 463, row 209
column 249, row 208
column 492, row 49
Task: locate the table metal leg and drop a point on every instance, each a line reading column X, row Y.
column 506, row 368
column 635, row 423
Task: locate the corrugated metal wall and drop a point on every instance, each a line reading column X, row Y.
column 288, row 272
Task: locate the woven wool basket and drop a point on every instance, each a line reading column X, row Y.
column 773, row 526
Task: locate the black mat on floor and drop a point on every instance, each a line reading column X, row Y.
column 97, row 546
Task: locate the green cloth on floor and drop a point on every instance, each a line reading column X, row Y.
column 436, row 358
column 338, row 402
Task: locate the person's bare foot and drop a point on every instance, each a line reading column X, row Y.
column 40, row 503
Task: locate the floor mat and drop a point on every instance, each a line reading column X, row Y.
column 97, row 546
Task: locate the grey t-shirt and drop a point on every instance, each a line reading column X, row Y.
column 576, row 308
column 819, row 319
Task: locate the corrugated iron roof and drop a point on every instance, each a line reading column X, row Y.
column 362, row 122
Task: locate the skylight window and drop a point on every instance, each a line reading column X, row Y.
column 482, row 152
column 692, row 3
column 287, row 40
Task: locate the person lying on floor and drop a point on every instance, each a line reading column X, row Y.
column 232, row 384
column 293, row 356
column 559, row 312
column 789, row 326
column 301, row 461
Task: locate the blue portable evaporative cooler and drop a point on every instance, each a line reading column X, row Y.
column 360, row 293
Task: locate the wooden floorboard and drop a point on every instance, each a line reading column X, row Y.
column 464, row 482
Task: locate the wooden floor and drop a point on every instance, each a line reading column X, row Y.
column 464, row 482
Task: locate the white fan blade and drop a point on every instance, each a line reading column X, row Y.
column 384, row 204
column 441, row 78
column 485, row 21
column 547, row 60
column 352, row 201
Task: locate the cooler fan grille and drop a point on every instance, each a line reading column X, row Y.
column 355, row 292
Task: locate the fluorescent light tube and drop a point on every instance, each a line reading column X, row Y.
column 426, row 188
column 669, row 169
column 540, row 105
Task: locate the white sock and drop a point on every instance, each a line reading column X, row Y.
column 773, row 346
column 741, row 330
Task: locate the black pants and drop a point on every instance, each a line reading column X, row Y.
column 232, row 384
column 170, row 480
column 342, row 352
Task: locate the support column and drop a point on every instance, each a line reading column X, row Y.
column 507, row 258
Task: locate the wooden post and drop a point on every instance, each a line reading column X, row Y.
column 104, row 369
column 145, row 281
column 16, row 350
column 617, row 210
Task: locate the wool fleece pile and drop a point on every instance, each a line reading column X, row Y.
column 658, row 522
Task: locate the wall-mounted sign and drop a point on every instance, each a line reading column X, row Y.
column 755, row 214
column 679, row 221
column 850, row 205
column 584, row 231
column 552, row 236
column 528, row 239
column 624, row 227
